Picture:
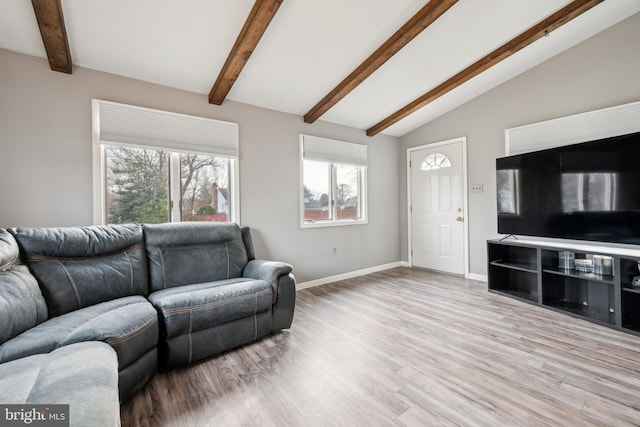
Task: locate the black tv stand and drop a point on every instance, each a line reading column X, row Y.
column 530, row 271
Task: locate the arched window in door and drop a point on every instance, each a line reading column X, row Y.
column 435, row 161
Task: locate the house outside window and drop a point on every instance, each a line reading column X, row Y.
column 333, row 187
column 145, row 174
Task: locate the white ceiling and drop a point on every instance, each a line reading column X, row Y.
column 309, row 47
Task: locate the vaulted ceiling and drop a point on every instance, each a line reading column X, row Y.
column 384, row 66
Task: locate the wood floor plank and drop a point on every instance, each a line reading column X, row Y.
column 408, row 347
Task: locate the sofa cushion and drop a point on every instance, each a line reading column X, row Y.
column 193, row 252
column 84, row 376
column 191, row 308
column 21, row 303
column 81, row 266
column 129, row 325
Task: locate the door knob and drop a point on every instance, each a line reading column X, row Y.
column 459, row 219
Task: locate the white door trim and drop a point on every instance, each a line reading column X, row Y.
column 465, row 197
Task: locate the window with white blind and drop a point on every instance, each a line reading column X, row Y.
column 333, row 182
column 154, row 166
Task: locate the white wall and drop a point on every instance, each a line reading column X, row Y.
column 600, row 72
column 46, row 175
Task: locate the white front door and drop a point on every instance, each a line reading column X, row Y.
column 437, row 207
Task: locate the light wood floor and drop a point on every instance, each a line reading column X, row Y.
column 406, row 347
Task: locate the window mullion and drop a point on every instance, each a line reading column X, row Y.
column 175, row 190
column 360, row 194
column 334, row 192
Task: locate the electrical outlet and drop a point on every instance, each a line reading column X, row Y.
column 475, row 188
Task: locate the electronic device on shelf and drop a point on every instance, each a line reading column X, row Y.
column 587, row 191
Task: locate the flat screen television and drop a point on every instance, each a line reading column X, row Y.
column 587, row 191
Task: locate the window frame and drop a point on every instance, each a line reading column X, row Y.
column 444, row 163
column 99, row 166
column 334, row 221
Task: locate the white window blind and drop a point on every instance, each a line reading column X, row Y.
column 145, row 127
column 589, row 126
column 328, row 150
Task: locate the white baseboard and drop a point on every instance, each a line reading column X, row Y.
column 479, row 277
column 349, row 275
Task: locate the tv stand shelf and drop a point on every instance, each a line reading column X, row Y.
column 530, row 271
column 515, row 266
column 579, row 275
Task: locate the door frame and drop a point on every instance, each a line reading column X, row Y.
column 465, row 198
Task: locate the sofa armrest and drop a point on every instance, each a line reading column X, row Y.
column 269, row 271
column 283, row 284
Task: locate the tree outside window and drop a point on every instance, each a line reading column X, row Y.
column 138, row 184
column 347, row 192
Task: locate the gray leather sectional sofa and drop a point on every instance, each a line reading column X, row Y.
column 160, row 296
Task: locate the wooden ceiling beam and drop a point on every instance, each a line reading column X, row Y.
column 541, row 29
column 54, row 34
column 254, row 27
column 418, row 23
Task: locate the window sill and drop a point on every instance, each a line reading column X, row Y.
column 320, row 224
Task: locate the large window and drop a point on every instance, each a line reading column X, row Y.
column 333, row 182
column 147, row 175
column 139, row 184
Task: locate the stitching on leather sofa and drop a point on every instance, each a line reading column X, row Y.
column 130, row 272
column 190, row 338
column 203, row 306
column 72, row 283
column 164, row 276
column 133, row 333
column 10, row 264
column 39, row 258
column 199, row 245
column 255, row 320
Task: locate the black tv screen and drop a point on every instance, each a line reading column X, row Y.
column 587, row 191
